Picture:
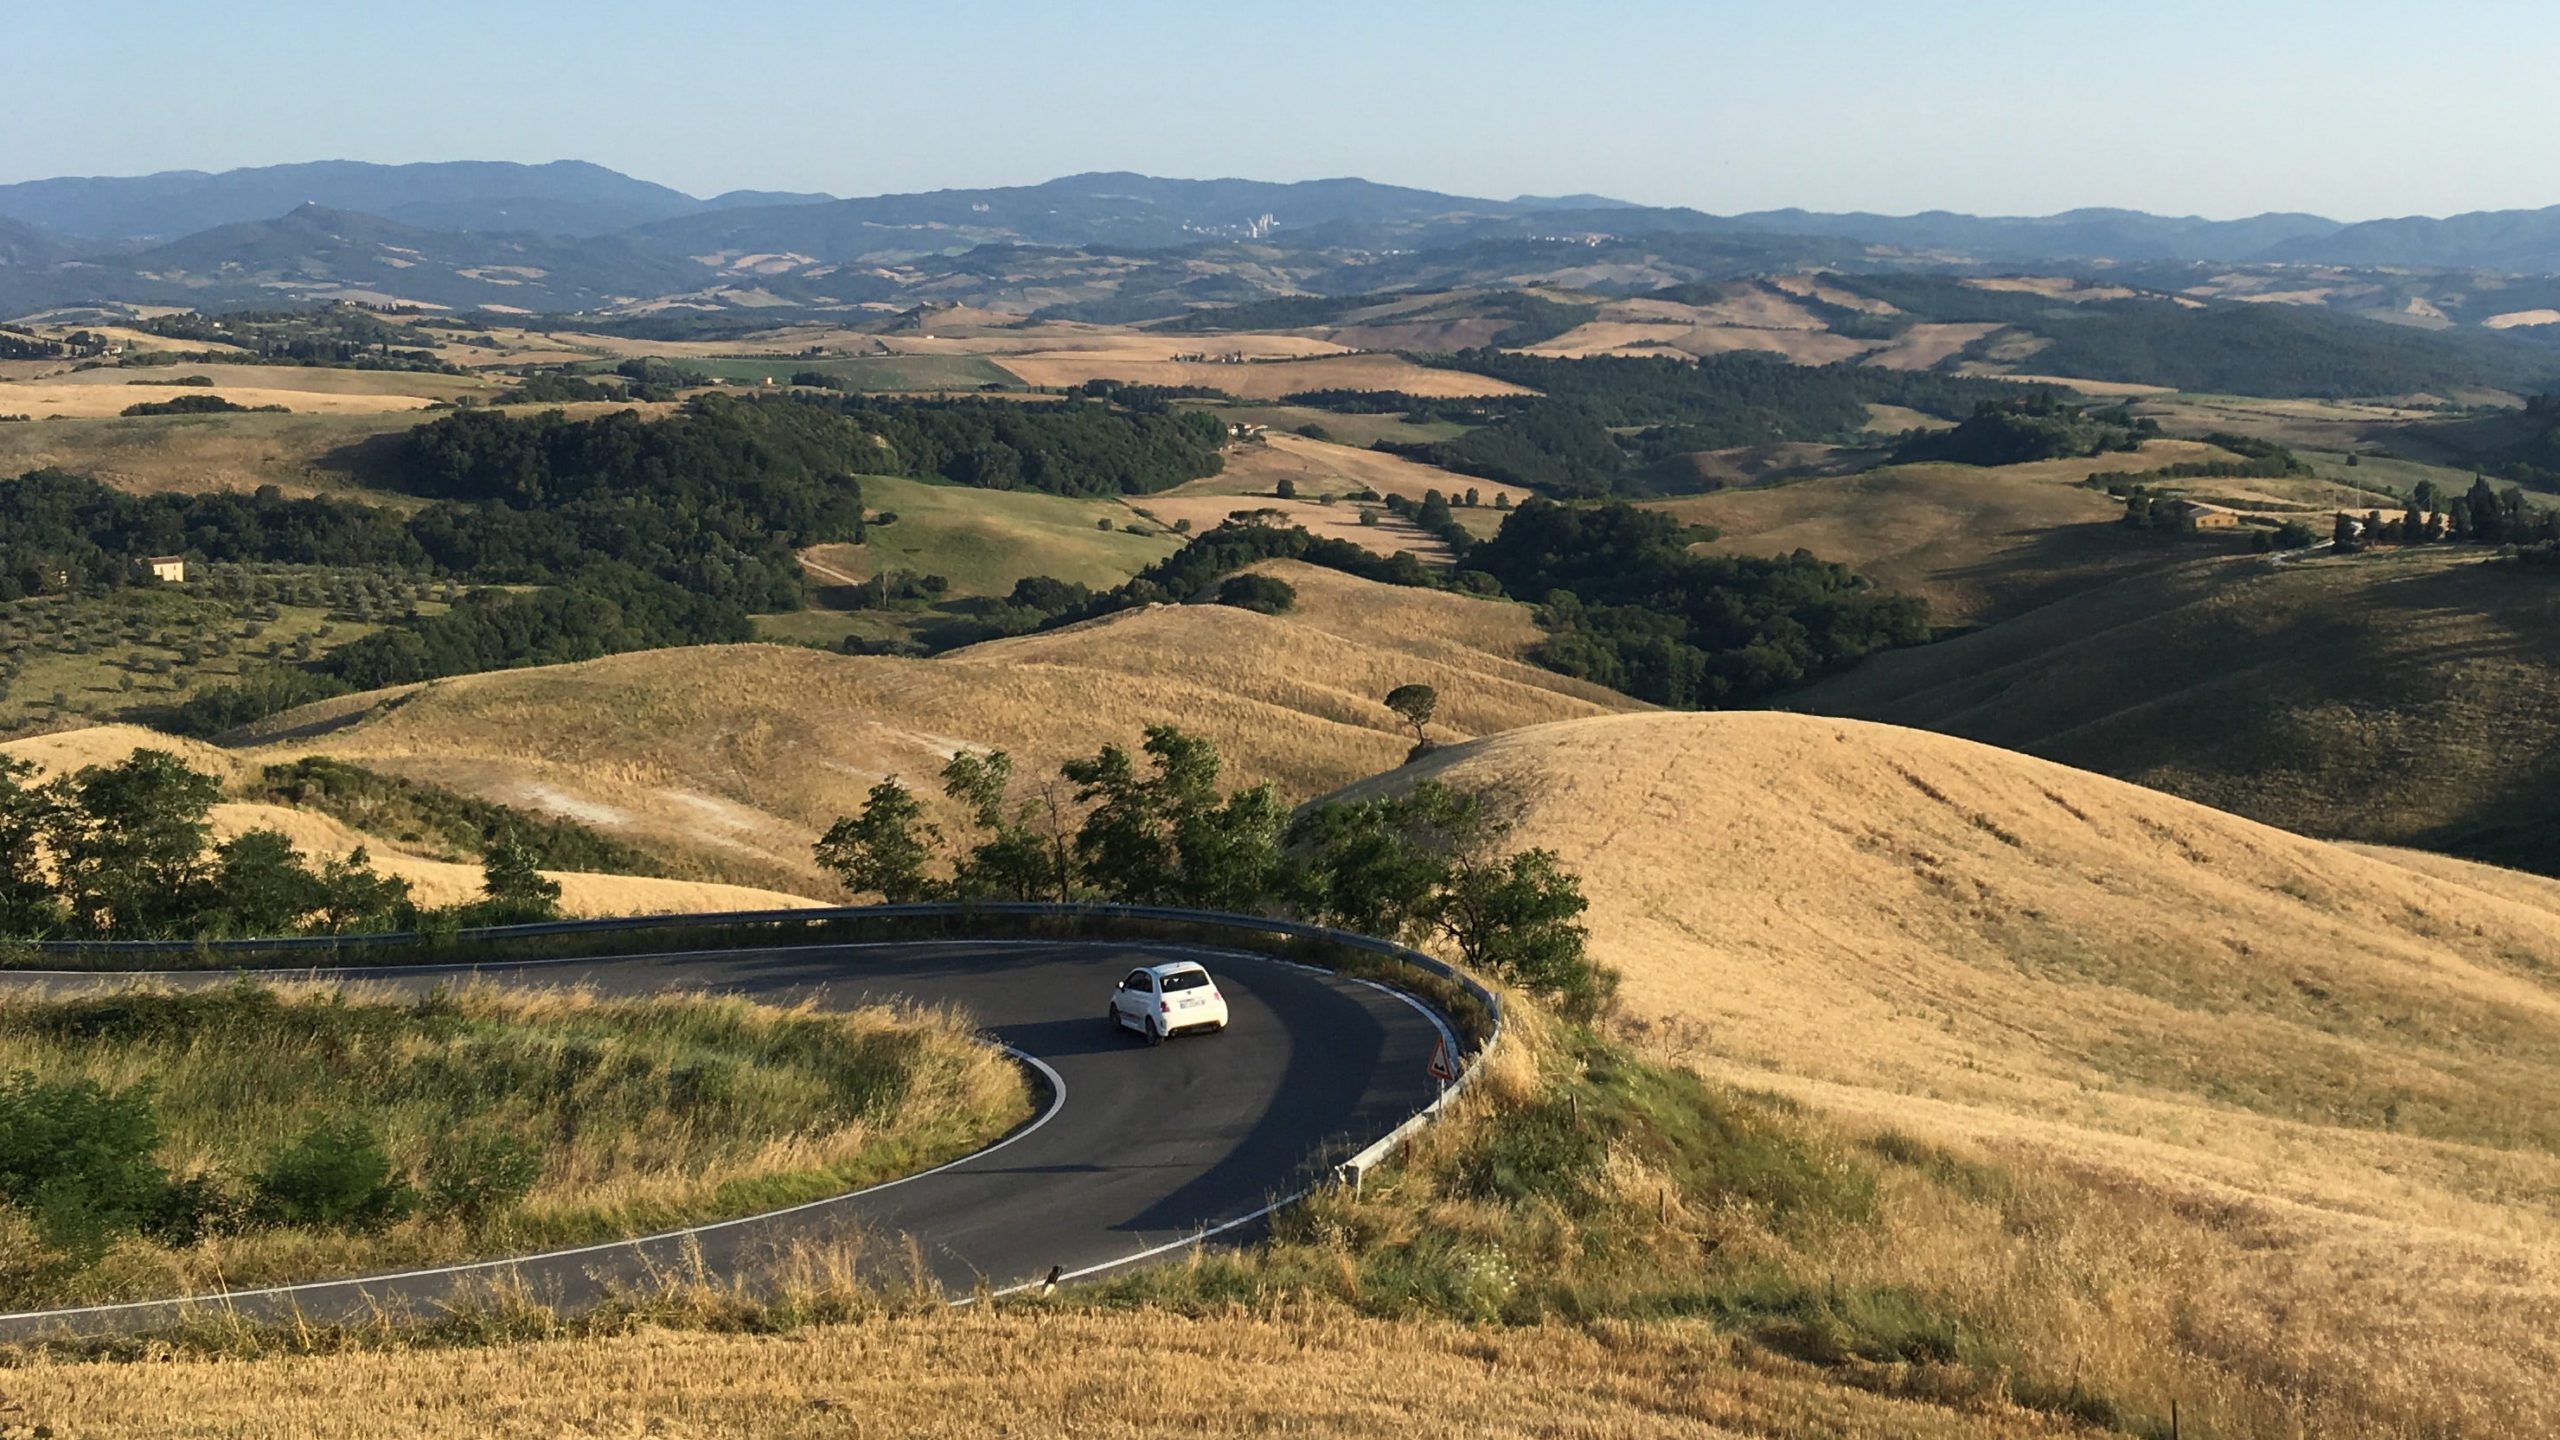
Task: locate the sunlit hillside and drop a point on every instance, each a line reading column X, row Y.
column 736, row 757
column 1978, row 543
column 2333, row 1064
column 431, row 880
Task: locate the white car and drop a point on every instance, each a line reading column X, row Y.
column 1161, row 1000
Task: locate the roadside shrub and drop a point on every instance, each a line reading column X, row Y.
column 78, row 1159
column 480, row 1174
column 336, row 1176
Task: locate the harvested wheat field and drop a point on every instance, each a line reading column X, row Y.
column 1756, row 306
column 2324, row 1072
column 300, row 454
column 1253, row 380
column 1389, row 535
column 297, row 379
column 1429, row 336
column 2052, row 287
column 735, row 757
column 1086, row 341
column 1804, row 347
column 1924, row 346
column 2522, row 319
column 1977, row 543
column 1818, row 287
column 73, row 401
column 1613, row 337
column 1320, row 467
column 1012, row 1373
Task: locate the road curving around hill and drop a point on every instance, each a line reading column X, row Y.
column 1134, row 1151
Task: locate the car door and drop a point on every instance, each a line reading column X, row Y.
column 1136, row 999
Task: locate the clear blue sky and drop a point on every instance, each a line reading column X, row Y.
column 2351, row 109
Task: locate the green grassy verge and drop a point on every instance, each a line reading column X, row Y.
column 297, row 1132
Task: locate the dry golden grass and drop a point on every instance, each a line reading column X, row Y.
column 70, row 400
column 1978, row 544
column 446, row 882
column 1760, row 307
column 133, row 339
column 1090, row 342
column 1818, row 287
column 1924, row 346
column 1428, row 336
column 2102, row 389
column 2522, row 319
column 306, row 380
column 1014, row 1372
column 1804, row 347
column 2222, row 681
column 735, row 757
column 68, row 750
column 2300, row 1091
column 2054, row 287
column 433, row 881
column 1614, row 337
column 299, row 454
column 1266, row 380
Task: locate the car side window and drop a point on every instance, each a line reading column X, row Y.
column 1138, row 980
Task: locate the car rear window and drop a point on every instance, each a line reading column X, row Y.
column 1186, row 980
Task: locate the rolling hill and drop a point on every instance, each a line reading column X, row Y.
column 735, row 757
column 2299, row 1086
column 564, row 197
column 1119, row 248
column 1979, row 544
column 2406, row 698
column 433, row 881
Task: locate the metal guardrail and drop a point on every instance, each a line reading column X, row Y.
column 386, row 949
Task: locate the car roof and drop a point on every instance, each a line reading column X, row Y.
column 1175, row 967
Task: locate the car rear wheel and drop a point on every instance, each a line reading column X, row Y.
column 1155, row 1032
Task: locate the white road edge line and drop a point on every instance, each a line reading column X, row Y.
column 1057, row 1091
column 223, row 1299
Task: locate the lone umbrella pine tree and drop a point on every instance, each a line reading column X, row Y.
column 1417, row 704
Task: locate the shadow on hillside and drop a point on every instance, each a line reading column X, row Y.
column 372, row 462
column 2045, row 565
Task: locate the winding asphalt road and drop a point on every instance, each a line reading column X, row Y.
column 1135, row 1150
